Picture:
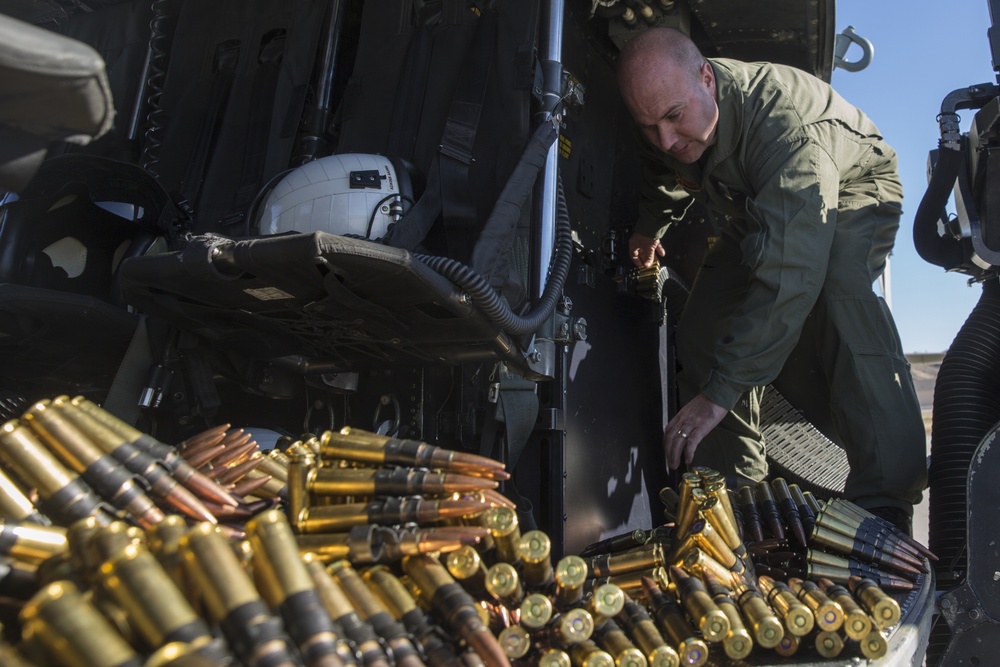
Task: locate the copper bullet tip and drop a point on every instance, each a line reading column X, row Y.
column 207, row 489
column 200, row 458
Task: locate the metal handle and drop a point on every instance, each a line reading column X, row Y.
column 843, row 43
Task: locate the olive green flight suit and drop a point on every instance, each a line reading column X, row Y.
column 812, row 201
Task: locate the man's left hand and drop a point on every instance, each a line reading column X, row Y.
column 688, row 428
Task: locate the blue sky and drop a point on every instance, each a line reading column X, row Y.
column 923, row 51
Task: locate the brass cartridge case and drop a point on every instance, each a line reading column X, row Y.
column 710, row 620
column 466, row 566
column 231, row 599
column 106, row 475
column 536, row 611
column 389, row 482
column 765, row 625
column 828, row 614
column 31, row 543
column 646, row 634
column 711, row 541
column 390, row 590
column 828, row 643
column 371, row 609
column 15, row 505
column 452, row 602
column 357, row 445
column 646, row 557
column 613, row 639
column 884, row 610
column 633, row 538
column 71, row 630
column 535, row 548
column 212, row 564
column 788, row 646
column 182, row 471
column 515, row 642
column 738, row 643
column 63, row 495
column 397, row 599
column 271, row 487
column 163, row 541
column 836, row 574
column 108, row 541
column 390, row 511
column 606, row 601
column 722, row 518
column 286, row 584
column 691, row 497
column 339, row 608
column 857, row 622
column 278, row 456
column 588, row 654
column 504, row 584
column 873, row 646
column 297, row 495
column 156, row 608
column 671, row 620
column 328, row 547
column 506, row 532
column 570, row 576
column 696, row 561
column 571, row 627
column 797, row 617
column 85, row 560
column 630, row 582
column 722, row 523
column 554, row 657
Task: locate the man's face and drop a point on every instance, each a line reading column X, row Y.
column 675, row 109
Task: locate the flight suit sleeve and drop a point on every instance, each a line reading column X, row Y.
column 662, row 200
column 786, row 245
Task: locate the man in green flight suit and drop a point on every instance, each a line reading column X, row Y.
column 811, row 199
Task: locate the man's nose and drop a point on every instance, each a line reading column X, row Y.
column 665, row 137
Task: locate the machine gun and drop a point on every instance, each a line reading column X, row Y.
column 966, row 408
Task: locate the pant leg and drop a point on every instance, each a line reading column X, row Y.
column 873, row 401
column 735, row 447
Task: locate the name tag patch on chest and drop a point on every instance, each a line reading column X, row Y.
column 690, row 186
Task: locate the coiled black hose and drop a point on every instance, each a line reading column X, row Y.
column 966, row 406
column 157, row 76
column 944, row 251
column 487, row 299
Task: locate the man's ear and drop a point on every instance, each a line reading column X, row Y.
column 708, row 76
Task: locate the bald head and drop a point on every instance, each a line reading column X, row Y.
column 651, row 51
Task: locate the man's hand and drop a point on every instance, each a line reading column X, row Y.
column 644, row 250
column 688, row 428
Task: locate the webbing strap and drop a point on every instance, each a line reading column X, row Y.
column 227, row 56
column 517, row 410
column 265, row 85
column 448, row 190
column 406, row 111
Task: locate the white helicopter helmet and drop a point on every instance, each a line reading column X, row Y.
column 350, row 194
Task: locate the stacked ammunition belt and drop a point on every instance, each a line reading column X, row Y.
column 351, row 548
column 767, row 566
